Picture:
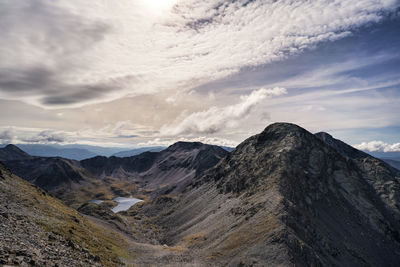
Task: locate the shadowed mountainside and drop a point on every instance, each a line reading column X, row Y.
column 286, row 197
column 11, row 152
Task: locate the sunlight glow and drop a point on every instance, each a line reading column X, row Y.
column 158, row 6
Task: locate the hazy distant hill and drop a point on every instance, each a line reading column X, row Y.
column 52, row 151
column 72, row 151
column 393, row 163
column 97, row 150
column 386, row 155
column 227, row 148
column 137, row 151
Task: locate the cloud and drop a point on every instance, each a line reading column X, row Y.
column 378, row 146
column 7, row 136
column 45, row 137
column 36, row 57
column 32, row 135
column 74, row 53
column 216, row 119
column 121, row 129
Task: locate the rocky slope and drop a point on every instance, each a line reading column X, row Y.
column 38, row 230
column 169, row 169
column 286, row 197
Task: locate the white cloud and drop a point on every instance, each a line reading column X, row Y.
column 45, row 137
column 7, row 136
column 32, row 135
column 73, row 53
column 378, row 146
column 216, row 119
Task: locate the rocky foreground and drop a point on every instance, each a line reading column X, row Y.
column 38, row 230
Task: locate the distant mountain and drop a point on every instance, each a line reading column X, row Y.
column 385, row 155
column 52, row 151
column 227, row 148
column 97, row 150
column 72, row 151
column 155, row 170
column 393, row 163
column 137, row 151
column 12, row 152
column 286, row 197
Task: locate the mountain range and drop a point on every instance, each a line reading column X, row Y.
column 284, row 197
column 101, row 177
column 80, row 152
column 137, row 151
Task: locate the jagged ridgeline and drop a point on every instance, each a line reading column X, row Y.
column 284, row 197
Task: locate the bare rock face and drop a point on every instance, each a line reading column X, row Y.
column 288, row 197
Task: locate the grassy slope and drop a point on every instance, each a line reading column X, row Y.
column 55, row 217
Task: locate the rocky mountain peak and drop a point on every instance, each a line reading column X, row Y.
column 278, row 131
column 276, row 138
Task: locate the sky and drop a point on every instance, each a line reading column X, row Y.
column 132, row 73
